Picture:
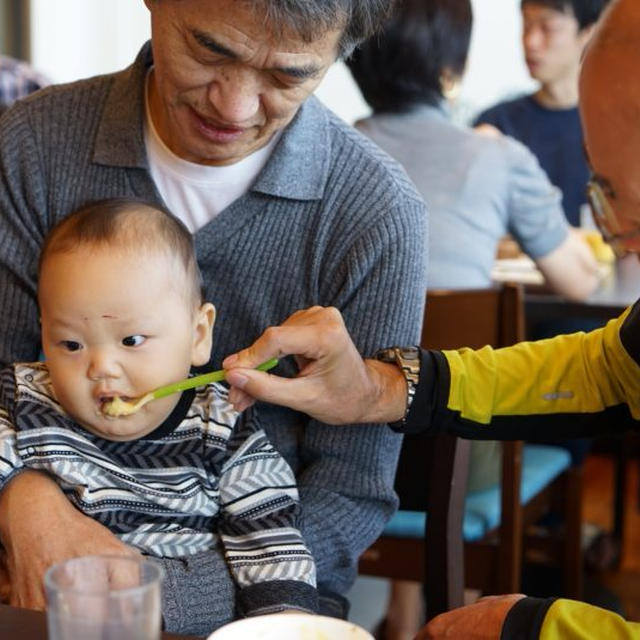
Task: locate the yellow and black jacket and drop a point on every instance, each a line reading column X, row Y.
column 570, row 386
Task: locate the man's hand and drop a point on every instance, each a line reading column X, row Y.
column 480, row 621
column 334, row 384
column 40, row 527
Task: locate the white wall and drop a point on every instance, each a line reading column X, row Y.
column 73, row 39
column 77, row 38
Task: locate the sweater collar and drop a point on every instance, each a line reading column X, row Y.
column 298, row 168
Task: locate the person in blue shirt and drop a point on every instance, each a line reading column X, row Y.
column 554, row 35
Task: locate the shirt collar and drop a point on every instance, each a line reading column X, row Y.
column 120, row 138
column 298, row 168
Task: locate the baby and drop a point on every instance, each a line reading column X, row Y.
column 122, row 313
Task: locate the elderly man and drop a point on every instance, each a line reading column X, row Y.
column 288, row 206
column 590, row 375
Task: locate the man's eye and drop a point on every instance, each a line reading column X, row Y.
column 71, row 345
column 133, row 341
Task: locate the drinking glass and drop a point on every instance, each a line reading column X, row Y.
column 104, row 598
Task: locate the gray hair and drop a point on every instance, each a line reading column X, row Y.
column 311, row 19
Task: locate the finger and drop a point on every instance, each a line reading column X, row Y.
column 123, row 574
column 308, row 334
column 240, row 400
column 269, row 388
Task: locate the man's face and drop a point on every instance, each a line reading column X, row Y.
column 552, row 43
column 609, row 107
column 223, row 84
column 118, row 323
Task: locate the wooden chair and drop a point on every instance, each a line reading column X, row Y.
column 432, row 475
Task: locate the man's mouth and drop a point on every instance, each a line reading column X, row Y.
column 216, row 131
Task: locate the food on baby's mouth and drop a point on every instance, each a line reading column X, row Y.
column 116, row 407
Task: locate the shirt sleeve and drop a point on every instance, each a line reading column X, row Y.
column 479, row 394
column 536, row 218
column 560, row 619
column 260, row 508
column 489, row 116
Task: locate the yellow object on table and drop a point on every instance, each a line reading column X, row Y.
column 602, row 252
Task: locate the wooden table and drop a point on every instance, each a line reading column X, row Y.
column 24, row 624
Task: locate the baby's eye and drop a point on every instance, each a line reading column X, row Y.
column 71, row 345
column 133, row 341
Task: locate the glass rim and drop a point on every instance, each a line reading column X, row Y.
column 157, row 571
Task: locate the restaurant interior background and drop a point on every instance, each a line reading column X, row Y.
column 71, row 39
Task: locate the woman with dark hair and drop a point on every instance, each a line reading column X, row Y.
column 477, row 188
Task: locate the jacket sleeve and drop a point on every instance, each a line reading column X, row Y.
column 569, row 386
column 259, row 508
column 560, row 619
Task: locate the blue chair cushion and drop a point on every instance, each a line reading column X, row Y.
column 540, row 466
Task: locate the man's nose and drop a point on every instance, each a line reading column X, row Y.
column 235, row 95
column 532, row 38
column 102, row 365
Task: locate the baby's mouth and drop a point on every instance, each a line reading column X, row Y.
column 106, row 399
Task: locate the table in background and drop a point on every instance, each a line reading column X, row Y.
column 619, row 289
column 25, row 624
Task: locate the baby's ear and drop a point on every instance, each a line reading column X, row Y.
column 202, row 334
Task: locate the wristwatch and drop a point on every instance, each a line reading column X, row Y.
column 408, row 360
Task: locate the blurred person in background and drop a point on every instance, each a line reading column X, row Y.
column 17, row 80
column 554, row 35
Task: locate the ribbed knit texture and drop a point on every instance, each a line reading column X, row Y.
column 331, row 220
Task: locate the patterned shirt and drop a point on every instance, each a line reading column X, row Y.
column 17, row 80
column 207, row 477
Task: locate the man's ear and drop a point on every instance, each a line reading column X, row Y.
column 202, row 334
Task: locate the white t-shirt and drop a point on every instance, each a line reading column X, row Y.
column 197, row 193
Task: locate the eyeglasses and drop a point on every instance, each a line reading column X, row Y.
column 605, row 218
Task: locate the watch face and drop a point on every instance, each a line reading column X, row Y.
column 409, row 353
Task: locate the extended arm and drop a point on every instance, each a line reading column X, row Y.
column 571, row 269
column 480, row 394
column 477, row 394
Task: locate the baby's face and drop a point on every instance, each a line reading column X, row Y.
column 117, row 323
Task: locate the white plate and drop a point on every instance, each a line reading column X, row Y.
column 290, row 626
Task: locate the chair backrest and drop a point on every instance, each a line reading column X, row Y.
column 453, row 319
column 474, row 317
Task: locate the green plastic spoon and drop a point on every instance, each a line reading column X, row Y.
column 117, row 407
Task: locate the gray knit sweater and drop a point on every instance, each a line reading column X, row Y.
column 331, row 220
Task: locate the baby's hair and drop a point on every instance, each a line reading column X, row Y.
column 130, row 224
